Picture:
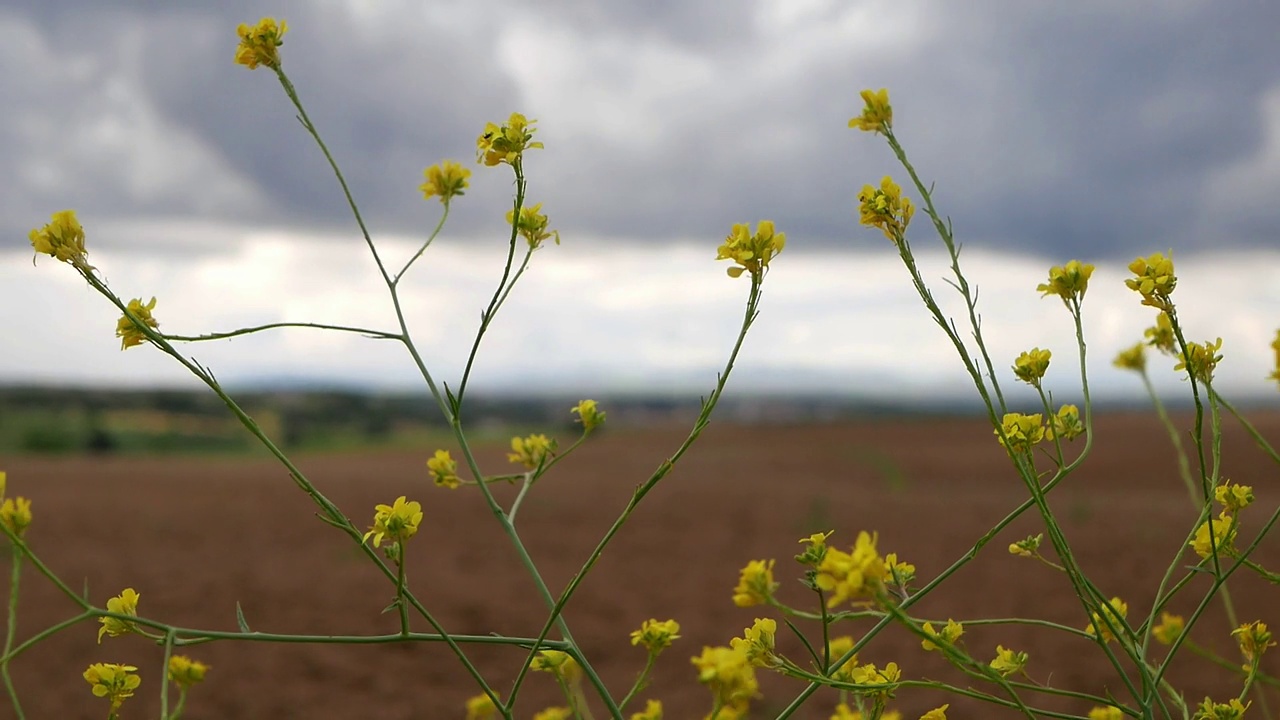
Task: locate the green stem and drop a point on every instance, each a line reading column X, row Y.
column 374, row 334
column 400, row 590
column 439, row 225
column 11, row 628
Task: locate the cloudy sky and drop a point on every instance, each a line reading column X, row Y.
column 1091, row 130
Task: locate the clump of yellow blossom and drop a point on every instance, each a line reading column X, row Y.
column 836, row 649
column 898, row 572
column 1168, row 629
column 652, row 711
column 1112, row 616
column 396, row 522
column 1209, row 710
column 1029, row 547
column 877, row 113
column 129, row 333
column 816, row 550
column 844, row 712
column 260, row 44
column 443, row 469
column 1154, row 280
column 938, row 713
column 886, row 208
column 445, row 181
column 1219, row 533
column 751, row 251
column 531, row 451
column 62, row 238
column 1134, row 358
column 1021, row 432
column 126, row 603
column 481, row 707
column 758, row 643
column 883, row 681
column 558, row 663
column 729, row 676
column 1160, row 336
column 532, row 226
column 1233, row 497
column 1008, row 662
column 1200, row 360
column 1110, row 712
column 114, row 682
column 1031, row 366
column 656, row 636
column 858, row 574
column 554, row 713
column 948, row 635
column 1254, row 638
column 15, row 513
column 755, row 584
column 506, row 143
column 1065, row 424
column 588, row 414
column 1068, row 282
column 186, row 672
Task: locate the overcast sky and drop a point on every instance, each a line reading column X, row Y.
column 1091, row 130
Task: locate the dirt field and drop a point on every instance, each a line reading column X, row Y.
column 196, row 536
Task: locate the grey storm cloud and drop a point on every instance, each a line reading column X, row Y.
column 1094, row 129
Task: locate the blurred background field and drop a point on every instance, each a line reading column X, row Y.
column 196, row 532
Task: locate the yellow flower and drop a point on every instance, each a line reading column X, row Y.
column 755, row 584
column 259, row 44
column 116, row 683
column 560, row 664
column 884, row 680
column 656, row 636
column 1169, row 628
column 877, row 115
column 588, row 414
column 397, row 522
column 1224, row 536
column 444, row 470
column 899, row 573
column 1028, row 547
column 1065, row 424
column 758, row 642
column 1114, row 613
column 127, row 331
column 1134, row 358
column 186, row 672
column 1031, row 366
column 1200, row 360
column 813, row 554
column 751, row 252
column 1068, row 282
column 506, row 143
column 1106, row 713
column 126, row 603
column 446, row 181
column 938, row 713
column 481, row 707
column 531, row 451
column 1160, row 336
column 886, row 209
column 652, row 711
column 731, row 679
column 856, row 574
column 554, row 713
column 836, row 649
column 15, row 514
column 1208, row 710
column 950, row 633
column 1020, row 431
column 1233, row 497
column 62, row 238
column 844, row 712
column 1008, row 662
column 1154, row 280
column 1254, row 638
column 533, row 226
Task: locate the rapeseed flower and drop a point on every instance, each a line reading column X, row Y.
column 1209, row 710
column 758, row 642
column 588, row 414
column 836, row 649
column 751, row 251
column 129, row 333
column 260, row 44
column 729, row 676
column 877, row 113
column 1224, row 536
column 948, row 635
column 1134, row 358
column 62, row 238
column 656, row 636
column 396, row 522
column 445, row 181
column 15, row 514
column 531, row 451
column 554, row 713
column 1109, row 712
column 755, row 584
column 560, row 664
column 1068, row 282
column 186, row 672
column 1254, row 638
column 1021, row 432
column 532, row 226
column 1154, row 280
column 481, row 707
column 1114, row 613
column 886, row 208
column 1160, row 336
column 883, row 680
column 851, row 575
column 1008, row 662
column 816, row 550
column 1065, row 424
column 1029, row 547
column 114, row 682
column 444, row 470
column 126, row 603
column 1168, row 629
column 898, row 572
column 652, row 711
column 1031, row 366
column 506, row 143
column 1232, row 497
column 938, row 713
column 1200, row 360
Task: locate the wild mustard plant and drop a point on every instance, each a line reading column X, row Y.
column 859, row 589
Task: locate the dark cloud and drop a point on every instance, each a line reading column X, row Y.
column 1091, row 130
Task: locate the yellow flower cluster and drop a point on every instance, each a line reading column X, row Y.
column 62, row 238
column 1068, row 282
column 948, row 635
column 1160, row 336
column 877, row 113
column 114, row 682
column 186, row 672
column 1134, row 358
column 751, row 251
column 260, row 44
column 128, row 332
column 1168, row 629
column 1209, row 710
column 1215, row 533
column 886, row 208
column 883, row 681
column 652, row 711
column 481, row 707
column 1031, row 366
column 755, row 584
column 445, row 181
column 1110, row 712
column 1233, row 497
column 1154, row 280
column 444, row 470
column 1021, row 432
column 532, row 226
column 758, row 643
column 1200, row 360
column 656, row 636
column 1028, row 547
column 1008, row 662
column 854, row 575
column 1065, row 424
column 15, row 513
column 588, row 414
column 506, row 143
column 558, row 663
column 837, row 649
column 730, row 677
column 126, row 603
column 554, row 713
column 531, row 451
column 1254, row 638
column 397, row 522
column 1113, row 612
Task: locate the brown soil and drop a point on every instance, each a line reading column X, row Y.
column 196, row 536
